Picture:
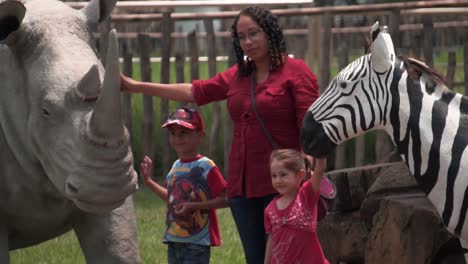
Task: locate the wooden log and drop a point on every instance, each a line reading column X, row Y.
column 311, row 32
column 164, row 5
column 344, row 9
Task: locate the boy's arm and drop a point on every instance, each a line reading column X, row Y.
column 268, row 250
column 217, row 186
column 187, row 207
column 146, row 168
column 157, row 189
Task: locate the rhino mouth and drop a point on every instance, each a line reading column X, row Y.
column 97, row 207
column 100, row 199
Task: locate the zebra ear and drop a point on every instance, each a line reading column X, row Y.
column 382, row 51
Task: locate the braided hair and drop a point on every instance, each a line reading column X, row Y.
column 276, row 44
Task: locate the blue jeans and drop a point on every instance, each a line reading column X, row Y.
column 187, row 253
column 248, row 215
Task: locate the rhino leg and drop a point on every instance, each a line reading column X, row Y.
column 4, row 249
column 110, row 237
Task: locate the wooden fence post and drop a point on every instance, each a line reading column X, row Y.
column 227, row 118
column 216, row 118
column 127, row 97
column 166, row 30
column 194, row 53
column 394, row 28
column 324, row 64
column 148, row 114
column 313, row 41
column 465, row 60
column 451, row 67
column 180, row 61
column 193, row 50
column 428, row 40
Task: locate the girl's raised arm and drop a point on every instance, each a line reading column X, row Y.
column 317, row 174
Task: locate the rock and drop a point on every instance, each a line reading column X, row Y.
column 396, row 179
column 343, row 237
column 406, row 229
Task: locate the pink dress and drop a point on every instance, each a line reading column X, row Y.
column 293, row 229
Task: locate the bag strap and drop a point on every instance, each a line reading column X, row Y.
column 254, row 108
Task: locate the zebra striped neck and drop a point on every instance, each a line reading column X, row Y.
column 430, row 130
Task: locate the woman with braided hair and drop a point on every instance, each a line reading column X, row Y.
column 283, row 88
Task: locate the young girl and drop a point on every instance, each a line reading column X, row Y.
column 291, row 218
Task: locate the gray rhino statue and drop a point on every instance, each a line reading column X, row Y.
column 65, row 159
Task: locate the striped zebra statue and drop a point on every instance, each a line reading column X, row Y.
column 427, row 122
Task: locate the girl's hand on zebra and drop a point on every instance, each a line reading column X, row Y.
column 317, row 173
column 320, row 166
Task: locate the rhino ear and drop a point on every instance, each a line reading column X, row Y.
column 11, row 15
column 382, row 51
column 88, row 88
column 97, row 11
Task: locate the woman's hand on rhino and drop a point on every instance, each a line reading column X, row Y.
column 127, row 84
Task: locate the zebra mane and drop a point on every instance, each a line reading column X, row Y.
column 416, row 68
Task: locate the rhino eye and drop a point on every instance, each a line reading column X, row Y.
column 45, row 112
column 343, row 85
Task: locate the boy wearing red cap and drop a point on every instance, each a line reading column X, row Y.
column 194, row 189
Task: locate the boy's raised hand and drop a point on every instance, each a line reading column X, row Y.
column 146, row 169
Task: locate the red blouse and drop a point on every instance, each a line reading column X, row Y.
column 293, row 230
column 281, row 102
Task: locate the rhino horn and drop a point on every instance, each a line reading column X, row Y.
column 11, row 16
column 106, row 119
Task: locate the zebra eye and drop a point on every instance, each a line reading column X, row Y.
column 343, row 85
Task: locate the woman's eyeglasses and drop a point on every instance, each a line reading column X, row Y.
column 253, row 35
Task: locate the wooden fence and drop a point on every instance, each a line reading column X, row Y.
column 323, row 44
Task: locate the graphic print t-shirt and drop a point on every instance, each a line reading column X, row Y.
column 193, row 181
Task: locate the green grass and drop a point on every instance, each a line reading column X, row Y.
column 150, row 213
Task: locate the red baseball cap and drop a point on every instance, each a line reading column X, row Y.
column 186, row 117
